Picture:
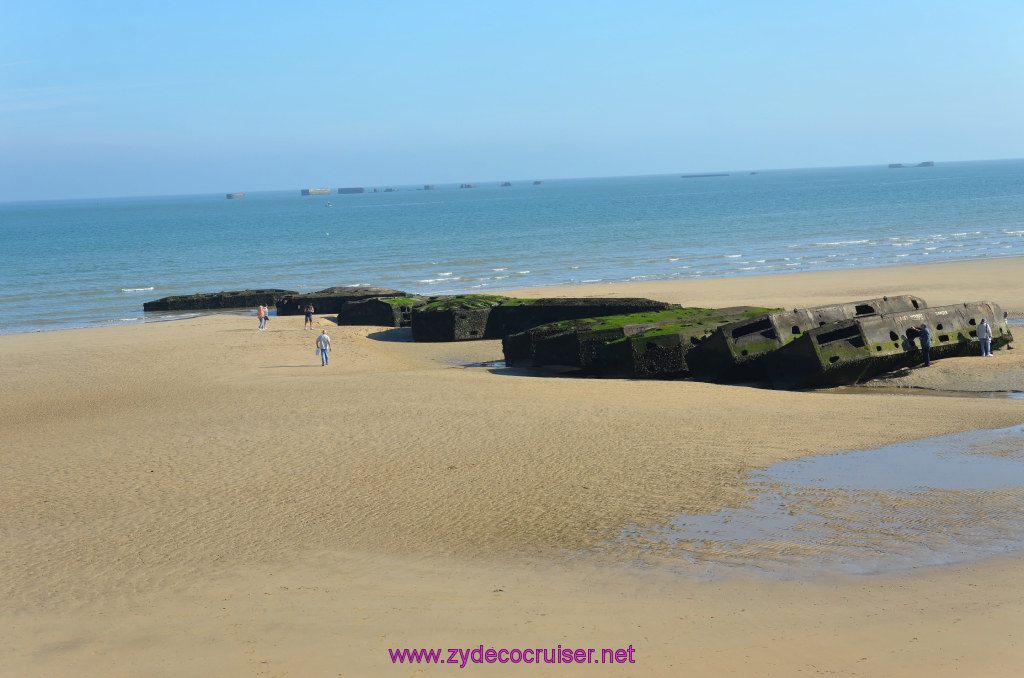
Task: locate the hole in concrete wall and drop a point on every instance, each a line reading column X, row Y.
column 894, row 336
column 821, row 324
column 864, row 309
column 878, row 348
column 943, row 337
column 974, row 333
column 764, row 325
column 939, row 326
column 914, row 302
column 971, row 322
column 795, row 331
column 849, row 333
column 743, row 352
column 834, row 359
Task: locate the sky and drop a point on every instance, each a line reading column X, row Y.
column 109, row 98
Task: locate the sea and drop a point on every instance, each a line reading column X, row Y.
column 88, row 263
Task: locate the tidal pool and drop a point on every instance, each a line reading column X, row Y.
column 955, row 498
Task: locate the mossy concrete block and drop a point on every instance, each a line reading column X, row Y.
column 572, row 343
column 332, row 299
column 650, row 355
column 737, row 351
column 465, row 317
column 861, row 348
column 518, row 315
column 646, row 344
column 217, row 300
column 454, row 318
column 380, row 311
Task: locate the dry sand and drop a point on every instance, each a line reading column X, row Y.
column 197, row 498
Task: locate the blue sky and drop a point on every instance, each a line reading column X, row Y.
column 105, row 99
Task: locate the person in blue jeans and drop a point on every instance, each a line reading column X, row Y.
column 926, row 344
column 323, row 347
column 985, row 337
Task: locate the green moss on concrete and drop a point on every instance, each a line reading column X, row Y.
column 519, row 302
column 465, row 301
column 646, row 318
column 653, row 323
column 754, row 348
column 846, row 353
column 402, row 301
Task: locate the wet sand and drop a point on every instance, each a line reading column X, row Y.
column 198, row 498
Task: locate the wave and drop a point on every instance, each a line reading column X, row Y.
column 136, row 289
column 840, row 242
column 434, row 281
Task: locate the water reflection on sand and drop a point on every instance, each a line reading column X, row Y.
column 949, row 499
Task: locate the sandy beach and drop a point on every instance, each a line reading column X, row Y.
column 198, row 498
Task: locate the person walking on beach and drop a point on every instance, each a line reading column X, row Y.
column 926, row 344
column 985, row 337
column 323, row 347
column 309, row 317
column 262, row 315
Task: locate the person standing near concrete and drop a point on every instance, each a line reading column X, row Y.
column 985, row 337
column 309, row 316
column 926, row 343
column 262, row 314
column 323, row 347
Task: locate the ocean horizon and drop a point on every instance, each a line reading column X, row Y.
column 94, row 262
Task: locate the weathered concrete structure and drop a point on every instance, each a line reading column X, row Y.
column 860, row 348
column 517, row 315
column 736, row 351
column 651, row 344
column 380, row 311
column 465, row 317
column 216, row 300
column 664, row 352
column 461, row 317
column 332, row 299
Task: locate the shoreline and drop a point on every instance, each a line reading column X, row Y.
column 655, row 289
column 198, row 497
column 942, row 280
